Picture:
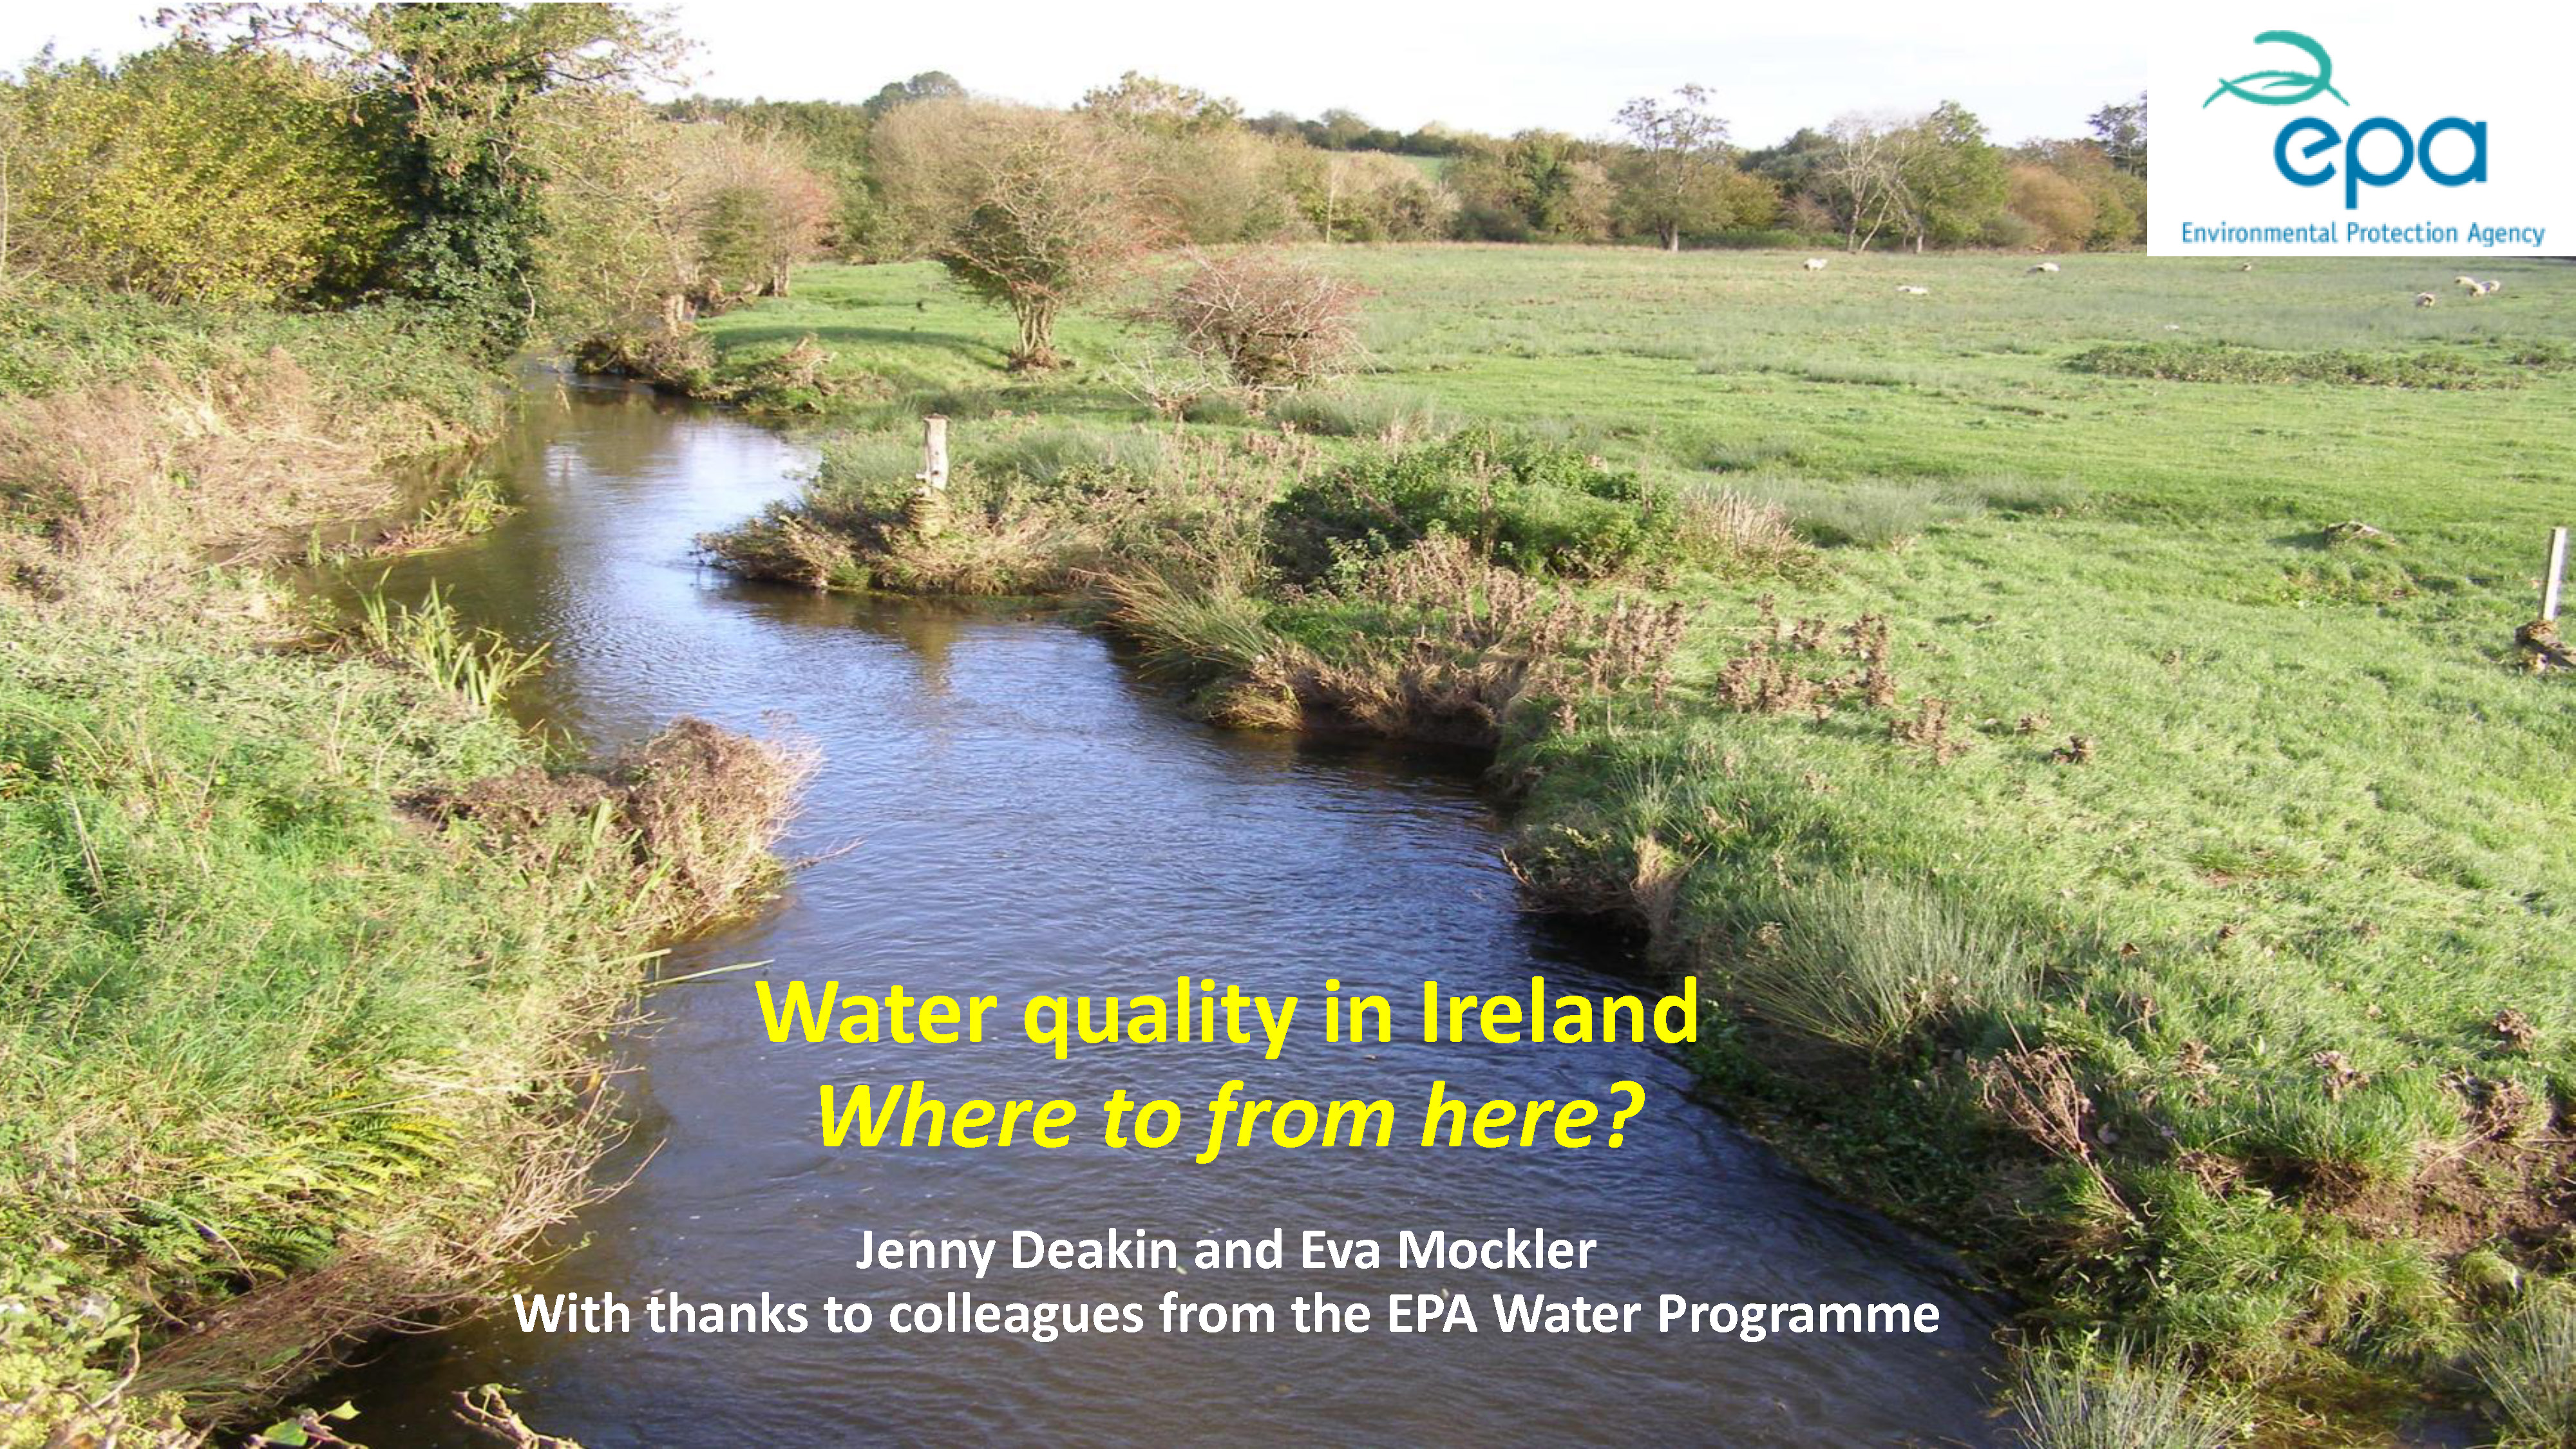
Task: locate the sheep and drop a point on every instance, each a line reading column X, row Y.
column 2489, row 288
column 2469, row 282
column 1814, row 264
column 2425, row 299
column 2045, row 267
column 2249, row 266
column 1915, row 291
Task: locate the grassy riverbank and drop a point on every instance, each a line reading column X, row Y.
column 303, row 939
column 2072, row 720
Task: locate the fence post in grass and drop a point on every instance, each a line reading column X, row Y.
column 934, row 452
column 2549, row 582
column 929, row 506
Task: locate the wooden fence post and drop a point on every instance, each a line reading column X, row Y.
column 2549, row 582
column 928, row 511
column 934, row 452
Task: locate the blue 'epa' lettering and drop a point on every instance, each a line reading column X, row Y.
column 2412, row 152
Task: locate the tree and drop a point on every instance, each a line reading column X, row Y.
column 930, row 85
column 1797, row 165
column 1027, row 208
column 833, row 136
column 1862, row 177
column 1149, row 104
column 1213, row 187
column 1538, row 183
column 455, row 85
column 1953, row 179
column 2121, row 127
column 1362, row 196
column 2118, row 198
column 761, row 211
column 1676, row 177
column 1340, row 130
column 617, row 256
column 2060, row 213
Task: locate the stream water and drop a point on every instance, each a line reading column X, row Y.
column 1029, row 816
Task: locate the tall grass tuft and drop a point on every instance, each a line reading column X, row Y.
column 478, row 665
column 1393, row 415
column 1734, row 533
column 1861, row 513
column 2120, row 1404
column 1867, row 962
column 2528, row 1366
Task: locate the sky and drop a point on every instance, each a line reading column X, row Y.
column 1500, row 66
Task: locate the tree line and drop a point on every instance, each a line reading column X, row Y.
column 498, row 167
column 1670, row 174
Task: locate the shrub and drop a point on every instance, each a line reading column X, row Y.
column 1273, row 324
column 195, row 175
column 1526, row 505
column 1867, row 962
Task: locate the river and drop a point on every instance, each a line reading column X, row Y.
column 1024, row 814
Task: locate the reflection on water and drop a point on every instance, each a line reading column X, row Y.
column 1029, row 818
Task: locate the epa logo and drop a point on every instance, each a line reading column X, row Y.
column 2315, row 138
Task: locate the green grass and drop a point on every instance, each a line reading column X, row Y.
column 2274, row 819
column 301, row 942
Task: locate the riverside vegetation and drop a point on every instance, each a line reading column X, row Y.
column 304, row 944
column 306, row 941
column 2078, row 734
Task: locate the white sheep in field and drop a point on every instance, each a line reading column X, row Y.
column 1814, row 264
column 2044, row 267
column 2249, row 266
column 2425, row 299
column 2489, row 288
column 1916, row 291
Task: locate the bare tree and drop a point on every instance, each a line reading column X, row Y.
column 1031, row 209
column 1864, row 175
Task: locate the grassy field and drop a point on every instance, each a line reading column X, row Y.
column 2171, row 904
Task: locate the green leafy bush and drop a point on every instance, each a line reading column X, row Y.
column 195, row 175
column 1529, row 505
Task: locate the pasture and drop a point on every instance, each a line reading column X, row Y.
column 2261, row 810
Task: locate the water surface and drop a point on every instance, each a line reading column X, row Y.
column 1031, row 817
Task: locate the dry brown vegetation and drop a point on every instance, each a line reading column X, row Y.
column 130, row 482
column 694, row 811
column 1454, row 646
column 1271, row 322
